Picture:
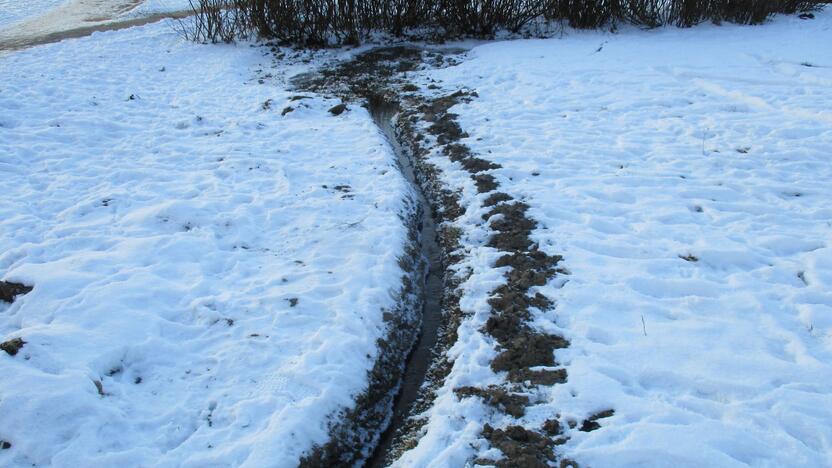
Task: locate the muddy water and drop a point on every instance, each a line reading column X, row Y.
column 420, row 358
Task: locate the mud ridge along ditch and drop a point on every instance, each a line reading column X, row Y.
column 417, row 126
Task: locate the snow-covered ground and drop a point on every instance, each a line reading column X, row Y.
column 150, row 7
column 210, row 276
column 684, row 174
column 12, row 11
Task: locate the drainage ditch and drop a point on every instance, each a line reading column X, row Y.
column 420, row 358
column 375, row 78
column 416, row 125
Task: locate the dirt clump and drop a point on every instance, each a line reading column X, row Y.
column 12, row 346
column 510, row 403
column 10, row 290
column 591, row 423
column 538, row 377
column 338, row 109
column 446, row 129
column 456, row 152
column 462, row 155
column 99, row 387
column 437, row 109
column 512, row 227
column 520, row 446
column 474, row 165
column 552, row 427
column 485, row 183
column 525, row 349
column 496, row 198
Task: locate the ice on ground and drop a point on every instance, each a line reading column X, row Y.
column 684, row 174
column 210, row 274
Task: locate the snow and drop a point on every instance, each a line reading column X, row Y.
column 634, row 150
column 12, row 11
column 221, row 270
column 150, row 7
column 211, row 275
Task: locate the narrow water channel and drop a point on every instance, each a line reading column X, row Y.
column 383, row 112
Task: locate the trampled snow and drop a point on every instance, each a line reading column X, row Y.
column 685, row 176
column 210, row 276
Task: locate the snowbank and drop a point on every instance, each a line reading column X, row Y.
column 685, row 177
column 210, row 271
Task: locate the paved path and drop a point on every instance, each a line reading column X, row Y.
column 76, row 19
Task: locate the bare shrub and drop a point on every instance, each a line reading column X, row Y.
column 215, row 21
column 484, row 17
column 324, row 22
